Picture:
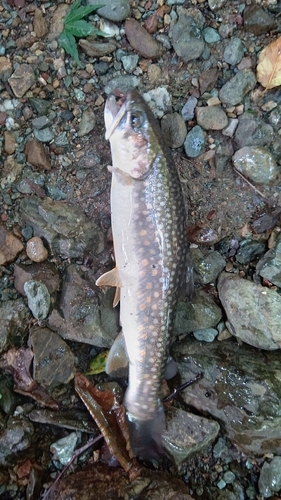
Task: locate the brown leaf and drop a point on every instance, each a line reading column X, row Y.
column 269, row 66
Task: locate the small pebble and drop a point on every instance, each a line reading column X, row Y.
column 35, row 250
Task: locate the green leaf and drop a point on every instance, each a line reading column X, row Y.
column 80, row 12
column 68, row 43
column 80, row 28
column 98, row 363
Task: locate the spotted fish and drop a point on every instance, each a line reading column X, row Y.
column 148, row 225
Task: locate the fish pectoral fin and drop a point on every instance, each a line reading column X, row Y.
column 116, row 299
column 111, row 278
column 117, row 359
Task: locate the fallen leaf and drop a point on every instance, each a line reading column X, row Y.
column 269, row 66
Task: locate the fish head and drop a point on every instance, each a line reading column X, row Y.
column 133, row 134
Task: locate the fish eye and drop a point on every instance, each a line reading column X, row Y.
column 136, row 120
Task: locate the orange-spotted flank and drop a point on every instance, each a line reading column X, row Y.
column 148, row 226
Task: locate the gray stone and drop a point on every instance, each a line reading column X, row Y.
column 187, row 111
column 211, row 117
column 130, row 62
column 187, row 36
column 256, row 163
column 14, row 321
column 124, row 82
column 271, row 265
column 200, row 312
column 257, row 20
column 187, row 434
column 216, row 4
column 270, row 478
column 195, row 142
column 253, row 311
column 206, row 334
column 239, row 384
column 207, row 267
column 114, row 10
column 249, row 250
column 235, row 89
column 174, row 129
column 63, row 449
column 44, row 134
column 211, row 35
column 159, row 101
column 46, row 272
column 14, row 438
column 233, row 52
column 82, row 315
column 87, row 123
column 253, row 131
column 41, row 106
column 38, row 298
column 53, row 362
column 40, row 122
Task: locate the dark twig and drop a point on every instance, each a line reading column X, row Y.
column 74, row 456
column 182, row 387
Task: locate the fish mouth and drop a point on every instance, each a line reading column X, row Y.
column 113, row 113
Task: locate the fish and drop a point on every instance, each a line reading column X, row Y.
column 148, row 225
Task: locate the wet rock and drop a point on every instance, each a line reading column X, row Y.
column 256, row 163
column 174, row 129
column 249, row 250
column 187, row 38
column 208, row 80
column 14, row 321
column 124, row 82
column 271, row 265
column 206, row 334
column 53, row 362
column 235, row 89
column 239, row 384
column 103, row 482
column 87, row 123
column 195, row 142
column 187, row 434
column 257, row 20
column 130, row 62
column 159, row 101
column 45, row 272
column 270, row 478
column 15, row 438
column 8, row 400
column 38, row 298
column 40, row 25
column 211, row 117
column 141, row 41
column 10, row 172
column 35, row 250
column 22, row 79
column 233, row 52
column 9, row 142
column 64, row 227
column 200, row 312
column 114, row 10
column 253, row 311
column 86, row 316
column 44, row 134
column 188, row 109
column 41, row 106
column 36, row 154
column 207, row 267
column 97, row 49
column 10, row 246
column 63, row 449
column 252, row 131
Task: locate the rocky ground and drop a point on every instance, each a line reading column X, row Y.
column 196, row 63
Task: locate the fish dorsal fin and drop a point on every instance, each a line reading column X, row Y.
column 116, row 299
column 111, row 278
column 117, row 359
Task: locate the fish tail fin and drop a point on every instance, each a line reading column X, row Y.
column 146, row 435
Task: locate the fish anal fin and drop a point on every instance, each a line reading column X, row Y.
column 111, row 278
column 117, row 360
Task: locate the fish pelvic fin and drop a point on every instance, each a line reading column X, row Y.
column 117, row 360
column 111, row 278
column 146, row 435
